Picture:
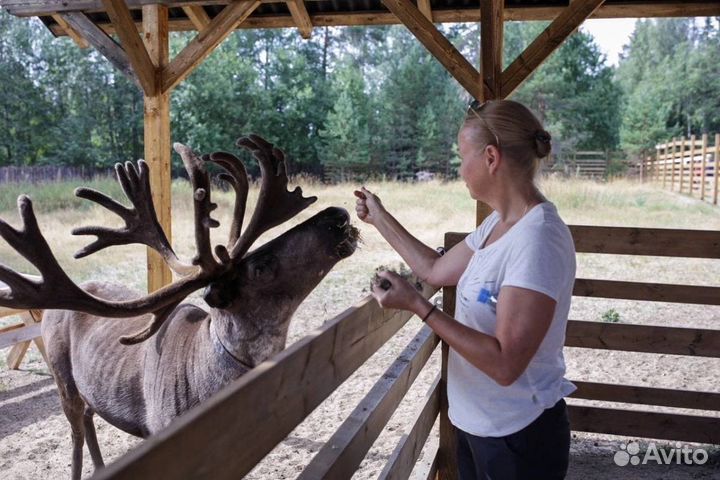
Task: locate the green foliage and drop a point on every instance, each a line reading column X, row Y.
column 611, row 316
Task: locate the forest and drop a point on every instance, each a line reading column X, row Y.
column 353, row 101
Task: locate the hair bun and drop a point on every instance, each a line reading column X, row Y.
column 542, row 143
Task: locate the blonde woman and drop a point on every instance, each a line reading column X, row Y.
column 514, row 277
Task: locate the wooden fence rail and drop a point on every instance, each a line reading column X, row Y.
column 686, row 165
column 50, row 173
column 226, row 436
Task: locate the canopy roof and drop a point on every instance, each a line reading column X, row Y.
column 194, row 15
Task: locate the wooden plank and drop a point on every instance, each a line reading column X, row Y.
column 491, row 52
column 663, row 397
column 18, row 334
column 340, row 457
column 432, row 473
column 132, row 44
column 672, row 165
column 521, row 13
column 703, row 166
column 284, row 389
column 651, row 292
column 446, row 457
column 79, row 40
column 546, row 43
column 301, row 18
column 662, row 242
column 716, row 169
column 6, row 312
column 157, row 139
column 682, row 163
column 206, row 41
column 436, row 43
column 692, row 165
column 404, row 457
column 633, row 423
column 102, row 43
column 425, row 8
column 643, row 338
column 198, row 16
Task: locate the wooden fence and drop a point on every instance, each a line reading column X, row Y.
column 687, row 166
column 20, row 335
column 229, row 434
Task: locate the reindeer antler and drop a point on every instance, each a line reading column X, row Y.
column 55, row 290
column 275, row 203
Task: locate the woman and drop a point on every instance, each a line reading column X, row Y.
column 515, row 275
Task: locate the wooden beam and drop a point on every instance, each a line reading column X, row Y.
column 404, row 458
column 205, row 42
column 643, row 338
column 662, row 397
column 491, row 43
column 342, row 454
column 439, row 16
column 546, row 43
column 18, row 334
column 634, row 423
column 521, row 13
column 79, row 40
column 652, row 292
column 132, row 44
column 198, row 16
column 157, row 137
column 425, row 8
column 285, row 389
column 102, row 43
column 300, row 17
column 436, row 43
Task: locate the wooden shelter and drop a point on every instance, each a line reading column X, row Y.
column 133, row 35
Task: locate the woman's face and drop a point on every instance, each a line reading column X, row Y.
column 472, row 167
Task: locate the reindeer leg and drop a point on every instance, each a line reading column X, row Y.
column 91, row 439
column 74, row 407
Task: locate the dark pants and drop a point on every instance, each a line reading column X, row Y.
column 537, row 452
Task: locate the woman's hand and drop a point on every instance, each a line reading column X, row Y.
column 368, row 206
column 400, row 294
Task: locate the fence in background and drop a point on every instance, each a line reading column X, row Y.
column 50, row 173
column 686, row 166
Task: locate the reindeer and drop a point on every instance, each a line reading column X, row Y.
column 172, row 356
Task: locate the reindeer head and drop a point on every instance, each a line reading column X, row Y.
column 289, row 266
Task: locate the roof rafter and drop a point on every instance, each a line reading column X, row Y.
column 198, row 16
column 132, row 44
column 546, row 43
column 426, row 9
column 205, row 42
column 76, row 37
column 301, row 18
column 436, row 43
column 102, row 42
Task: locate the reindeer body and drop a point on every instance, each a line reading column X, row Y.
column 137, row 388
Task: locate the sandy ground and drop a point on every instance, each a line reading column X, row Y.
column 35, row 436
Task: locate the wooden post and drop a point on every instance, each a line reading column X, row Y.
column 157, row 136
column 682, row 162
column 692, row 164
column 715, row 168
column 447, row 457
column 672, row 168
column 666, row 146
column 703, row 165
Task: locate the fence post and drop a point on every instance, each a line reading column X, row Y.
column 702, row 166
column 692, row 164
column 447, row 458
column 664, row 164
column 682, row 162
column 716, row 163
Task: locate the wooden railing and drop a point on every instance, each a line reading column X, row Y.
column 229, row 434
column 20, row 335
column 686, row 166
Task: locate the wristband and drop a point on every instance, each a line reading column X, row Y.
column 427, row 315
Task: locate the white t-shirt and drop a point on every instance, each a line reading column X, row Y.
column 537, row 253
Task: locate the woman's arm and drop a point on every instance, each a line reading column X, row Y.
column 424, row 261
column 523, row 319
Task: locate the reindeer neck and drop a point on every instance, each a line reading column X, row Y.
column 248, row 340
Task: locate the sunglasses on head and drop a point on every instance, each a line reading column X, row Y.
column 476, row 106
